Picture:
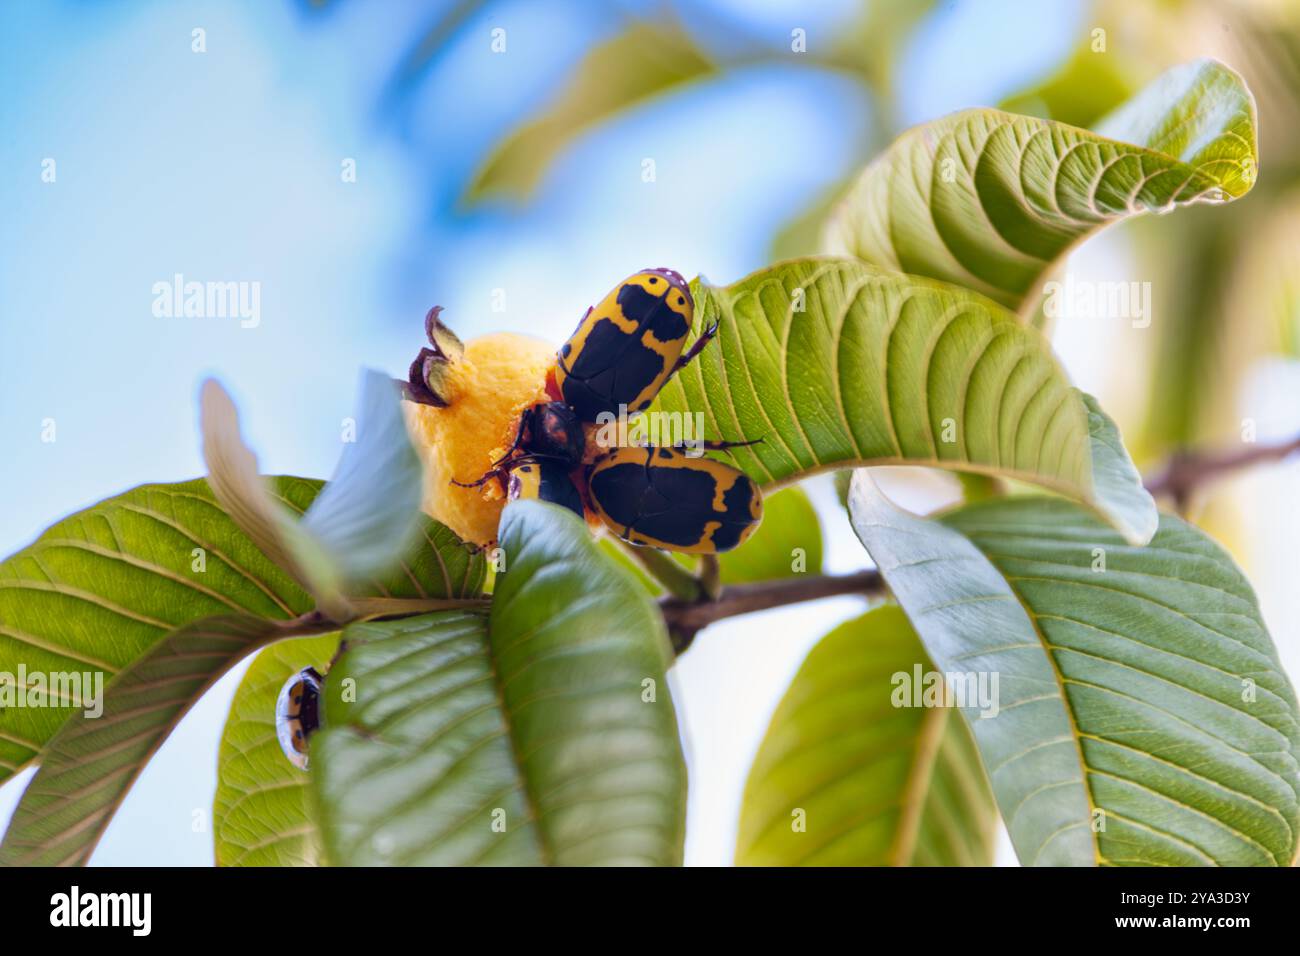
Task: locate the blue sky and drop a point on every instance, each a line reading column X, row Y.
column 225, row 166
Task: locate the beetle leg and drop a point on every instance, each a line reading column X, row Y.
column 724, row 445
column 696, row 347
column 715, row 445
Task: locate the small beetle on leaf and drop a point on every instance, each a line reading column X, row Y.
column 297, row 714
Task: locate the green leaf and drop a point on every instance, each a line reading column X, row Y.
column 645, row 61
column 91, row 763
column 260, row 815
column 990, row 200
column 880, row 368
column 531, row 718
column 877, row 784
column 1144, row 715
column 99, row 588
column 361, row 523
column 159, row 588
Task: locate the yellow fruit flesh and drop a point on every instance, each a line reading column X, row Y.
column 499, row 376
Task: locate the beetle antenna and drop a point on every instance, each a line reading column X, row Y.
column 500, row 472
column 482, row 481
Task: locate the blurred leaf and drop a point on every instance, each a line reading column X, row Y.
column 872, row 46
column 359, row 525
column 435, row 40
column 519, row 737
column 834, row 363
column 990, row 201
column 1267, row 283
column 877, row 784
column 1144, row 716
column 975, row 487
column 802, row 235
column 260, row 815
column 1191, row 388
column 367, row 515
column 645, row 61
column 618, row 554
column 843, row 478
column 1087, row 87
column 99, row 588
column 91, row 763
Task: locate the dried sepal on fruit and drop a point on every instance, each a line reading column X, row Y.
column 427, row 382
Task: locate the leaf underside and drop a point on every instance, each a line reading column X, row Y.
column 869, row 783
column 1145, row 718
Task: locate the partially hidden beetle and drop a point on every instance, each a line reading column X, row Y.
column 545, row 480
column 622, row 353
column 297, row 714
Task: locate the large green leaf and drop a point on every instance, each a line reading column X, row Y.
column 990, row 200
column 519, row 737
column 646, row 60
column 101, row 587
column 1144, row 716
column 881, row 368
column 260, row 815
column 846, row 778
column 91, row 763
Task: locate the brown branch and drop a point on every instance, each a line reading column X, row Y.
column 1189, row 469
column 686, row 618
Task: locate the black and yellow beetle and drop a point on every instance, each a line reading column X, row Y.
column 664, row 498
column 297, row 714
column 545, row 480
column 629, row 345
column 614, row 364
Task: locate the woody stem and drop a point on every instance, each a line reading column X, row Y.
column 685, row 617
